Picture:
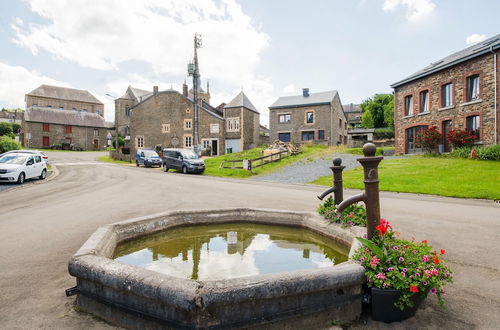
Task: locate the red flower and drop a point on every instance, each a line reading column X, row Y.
column 414, row 288
column 383, row 227
column 424, row 241
column 443, row 251
column 435, row 260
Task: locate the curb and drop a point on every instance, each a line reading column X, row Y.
column 55, row 174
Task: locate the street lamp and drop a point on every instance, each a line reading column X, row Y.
column 116, row 120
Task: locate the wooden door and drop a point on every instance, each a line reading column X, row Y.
column 46, row 141
column 96, row 144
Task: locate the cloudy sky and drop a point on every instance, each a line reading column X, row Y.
column 267, row 48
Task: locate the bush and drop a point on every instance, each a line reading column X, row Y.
column 15, row 127
column 460, row 138
column 8, row 144
column 359, row 151
column 5, row 129
column 383, row 133
column 482, row 153
column 428, row 138
column 353, row 215
column 121, row 141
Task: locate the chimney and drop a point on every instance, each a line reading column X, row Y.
column 155, row 90
column 185, row 89
column 305, row 92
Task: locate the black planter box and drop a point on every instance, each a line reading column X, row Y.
column 383, row 309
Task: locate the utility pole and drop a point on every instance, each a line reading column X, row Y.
column 193, row 70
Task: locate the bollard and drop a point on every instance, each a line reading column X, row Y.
column 371, row 194
column 337, row 189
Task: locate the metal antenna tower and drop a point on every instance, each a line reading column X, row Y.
column 193, row 70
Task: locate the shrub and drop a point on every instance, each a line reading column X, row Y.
column 15, row 127
column 460, row 138
column 482, row 153
column 8, row 144
column 428, row 138
column 359, row 151
column 121, row 141
column 383, row 133
column 5, row 129
column 353, row 215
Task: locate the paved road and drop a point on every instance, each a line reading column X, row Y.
column 41, row 226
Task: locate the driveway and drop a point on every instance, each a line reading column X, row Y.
column 43, row 226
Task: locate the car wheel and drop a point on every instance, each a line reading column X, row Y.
column 184, row 169
column 43, row 175
column 136, row 163
column 20, row 178
column 165, row 168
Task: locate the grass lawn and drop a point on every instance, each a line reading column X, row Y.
column 431, row 175
column 212, row 164
column 108, row 159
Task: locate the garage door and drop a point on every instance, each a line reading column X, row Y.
column 232, row 145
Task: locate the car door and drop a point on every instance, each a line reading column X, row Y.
column 30, row 167
column 178, row 160
column 39, row 165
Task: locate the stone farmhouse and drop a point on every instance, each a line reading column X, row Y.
column 57, row 115
column 459, row 91
column 353, row 114
column 165, row 119
column 123, row 104
column 309, row 118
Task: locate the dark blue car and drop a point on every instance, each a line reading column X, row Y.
column 147, row 157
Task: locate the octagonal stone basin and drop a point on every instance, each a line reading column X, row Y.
column 135, row 297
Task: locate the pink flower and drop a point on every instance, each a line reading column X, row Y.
column 426, row 258
column 401, row 259
column 434, row 271
column 374, row 262
column 380, row 275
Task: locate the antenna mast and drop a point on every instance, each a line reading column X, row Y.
column 193, row 70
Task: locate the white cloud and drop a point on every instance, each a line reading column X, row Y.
column 159, row 33
column 416, row 10
column 16, row 81
column 475, row 38
column 289, row 88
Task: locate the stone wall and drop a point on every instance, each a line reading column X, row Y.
column 459, row 111
column 121, row 118
column 66, row 104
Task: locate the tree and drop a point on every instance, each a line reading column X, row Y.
column 389, row 114
column 367, row 119
column 8, row 144
column 378, row 106
column 5, row 129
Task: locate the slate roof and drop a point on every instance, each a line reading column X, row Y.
column 8, row 115
column 468, row 53
column 64, row 117
column 241, row 100
column 133, row 93
column 64, row 93
column 300, row 100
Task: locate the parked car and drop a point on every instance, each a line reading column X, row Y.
column 32, row 152
column 184, row 160
column 147, row 157
column 21, row 166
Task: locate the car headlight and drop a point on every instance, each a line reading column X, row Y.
column 11, row 170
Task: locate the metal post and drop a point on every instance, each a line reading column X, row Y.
column 372, row 200
column 337, row 180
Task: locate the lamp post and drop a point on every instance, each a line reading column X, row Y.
column 116, row 120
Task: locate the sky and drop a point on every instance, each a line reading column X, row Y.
column 265, row 48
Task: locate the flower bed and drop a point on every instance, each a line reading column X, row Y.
column 353, row 215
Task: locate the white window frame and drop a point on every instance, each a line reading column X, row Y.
column 96, row 132
column 233, row 124
column 284, row 116
column 165, row 128
column 139, row 141
column 188, row 140
column 188, row 124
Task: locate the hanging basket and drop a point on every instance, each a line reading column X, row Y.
column 383, row 309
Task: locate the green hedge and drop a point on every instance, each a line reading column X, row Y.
column 482, row 153
column 383, row 133
column 8, row 144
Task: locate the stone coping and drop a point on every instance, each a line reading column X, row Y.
column 188, row 303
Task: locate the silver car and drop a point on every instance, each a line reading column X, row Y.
column 17, row 167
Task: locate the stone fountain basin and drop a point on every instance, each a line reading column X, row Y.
column 135, row 297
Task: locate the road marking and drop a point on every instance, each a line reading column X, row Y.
column 80, row 163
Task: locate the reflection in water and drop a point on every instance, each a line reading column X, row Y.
column 212, row 252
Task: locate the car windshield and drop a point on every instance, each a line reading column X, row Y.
column 188, row 154
column 150, row 153
column 13, row 159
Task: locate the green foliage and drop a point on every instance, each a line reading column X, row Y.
column 5, row 129
column 8, row 144
column 367, row 119
column 460, row 138
column 408, row 266
column 359, row 151
column 121, row 141
column 379, row 107
column 353, row 215
column 482, row 153
column 428, row 138
column 383, row 133
column 15, row 127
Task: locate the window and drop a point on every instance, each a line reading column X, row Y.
column 187, row 124
column 45, row 141
column 96, row 132
column 340, row 123
column 188, row 110
column 214, row 128
column 424, row 101
column 446, row 95
column 127, row 111
column 46, row 127
column 34, row 105
column 49, row 107
column 411, row 134
column 284, row 118
column 165, row 128
column 140, row 142
column 321, row 134
column 310, row 117
column 237, row 124
column 69, row 129
column 188, row 141
column 284, row 137
column 206, row 144
column 473, row 88
column 38, row 159
column 409, row 105
column 472, row 125
column 61, row 108
column 233, row 124
column 307, row 135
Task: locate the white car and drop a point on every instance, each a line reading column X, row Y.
column 21, row 166
column 33, row 152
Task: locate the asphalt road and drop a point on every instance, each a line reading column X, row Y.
column 42, row 226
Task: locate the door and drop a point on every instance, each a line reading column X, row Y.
column 46, row 141
column 30, row 168
column 96, row 144
column 215, row 148
column 446, row 129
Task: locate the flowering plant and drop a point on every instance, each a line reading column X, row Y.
column 408, row 266
column 428, row 138
column 460, row 138
column 353, row 215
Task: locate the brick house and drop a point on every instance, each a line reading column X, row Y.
column 459, row 91
column 62, row 98
column 311, row 117
column 48, row 127
column 242, row 124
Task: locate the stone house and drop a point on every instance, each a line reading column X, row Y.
column 123, row 104
column 459, row 91
column 62, row 98
column 47, row 126
column 11, row 117
column 242, row 124
column 309, row 118
column 353, row 114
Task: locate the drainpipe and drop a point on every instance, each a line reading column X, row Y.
column 495, row 100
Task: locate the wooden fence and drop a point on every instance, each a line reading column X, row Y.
column 257, row 162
